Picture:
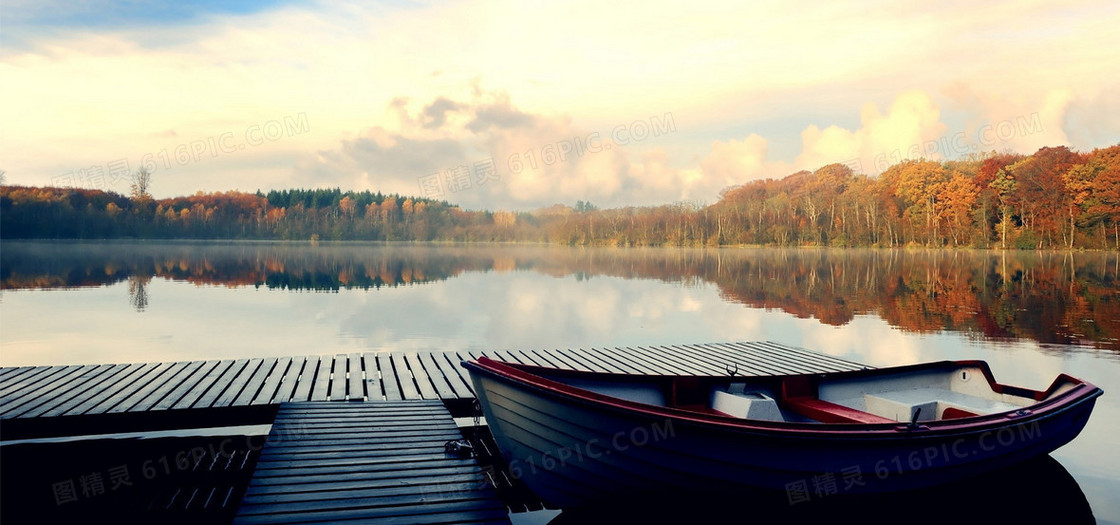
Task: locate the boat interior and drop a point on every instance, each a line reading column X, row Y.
column 948, row 392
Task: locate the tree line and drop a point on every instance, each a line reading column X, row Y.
column 1055, row 198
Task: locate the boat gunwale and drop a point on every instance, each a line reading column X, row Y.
column 1044, row 407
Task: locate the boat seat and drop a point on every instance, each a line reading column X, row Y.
column 746, row 405
column 936, row 404
column 828, row 412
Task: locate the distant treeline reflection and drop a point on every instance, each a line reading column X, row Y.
column 1050, row 297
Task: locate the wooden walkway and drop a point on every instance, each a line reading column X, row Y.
column 84, row 390
column 379, row 462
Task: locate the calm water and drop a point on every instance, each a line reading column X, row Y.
column 1030, row 315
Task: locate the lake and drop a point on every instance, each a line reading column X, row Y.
column 1031, row 315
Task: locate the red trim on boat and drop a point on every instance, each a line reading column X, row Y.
column 827, row 412
column 956, row 413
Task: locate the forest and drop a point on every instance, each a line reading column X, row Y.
column 1055, row 198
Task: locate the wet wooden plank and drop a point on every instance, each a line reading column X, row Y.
column 22, row 400
column 323, row 378
column 436, row 375
column 272, row 383
column 255, row 382
column 237, row 383
column 613, row 360
column 404, row 377
column 307, row 381
column 606, row 365
column 561, row 359
column 291, row 380
column 355, row 389
column 170, row 383
column 30, row 379
column 374, row 390
column 337, row 389
column 454, row 372
column 190, row 383
column 74, row 388
column 122, row 392
column 423, row 380
column 211, row 386
column 106, row 384
column 155, row 381
column 314, row 474
column 389, row 380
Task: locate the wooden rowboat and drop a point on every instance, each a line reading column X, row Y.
column 585, row 438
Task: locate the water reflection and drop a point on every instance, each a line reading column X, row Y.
column 1053, row 298
column 1038, row 491
column 138, row 291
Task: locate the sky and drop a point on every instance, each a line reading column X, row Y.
column 520, row 105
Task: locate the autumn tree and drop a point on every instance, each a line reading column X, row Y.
column 957, row 199
column 141, row 182
column 1094, row 189
column 919, row 183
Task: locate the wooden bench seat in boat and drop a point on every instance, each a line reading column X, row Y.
column 828, row 412
column 936, row 403
column 799, row 395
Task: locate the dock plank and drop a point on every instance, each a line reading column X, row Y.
column 389, row 378
column 238, row 383
column 74, row 388
column 311, row 475
column 224, row 383
column 404, row 377
column 157, row 394
column 337, row 389
column 436, row 375
column 272, row 383
column 307, row 379
column 30, row 379
column 290, row 381
column 191, row 382
column 86, row 395
column 150, row 384
column 374, row 391
column 121, row 392
column 323, row 378
column 355, row 389
column 210, row 386
column 255, row 382
column 454, row 372
column 423, row 381
column 43, row 389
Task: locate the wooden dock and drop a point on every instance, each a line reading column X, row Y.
column 48, row 400
column 379, row 462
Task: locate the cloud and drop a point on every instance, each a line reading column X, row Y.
column 1093, row 121
column 435, row 115
column 734, row 161
column 540, row 159
column 913, row 118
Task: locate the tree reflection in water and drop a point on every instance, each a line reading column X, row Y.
column 1049, row 297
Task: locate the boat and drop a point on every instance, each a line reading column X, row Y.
column 580, row 438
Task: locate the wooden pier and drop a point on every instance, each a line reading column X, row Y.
column 40, row 401
column 378, row 456
column 379, row 462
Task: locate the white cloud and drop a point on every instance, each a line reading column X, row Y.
column 912, row 119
